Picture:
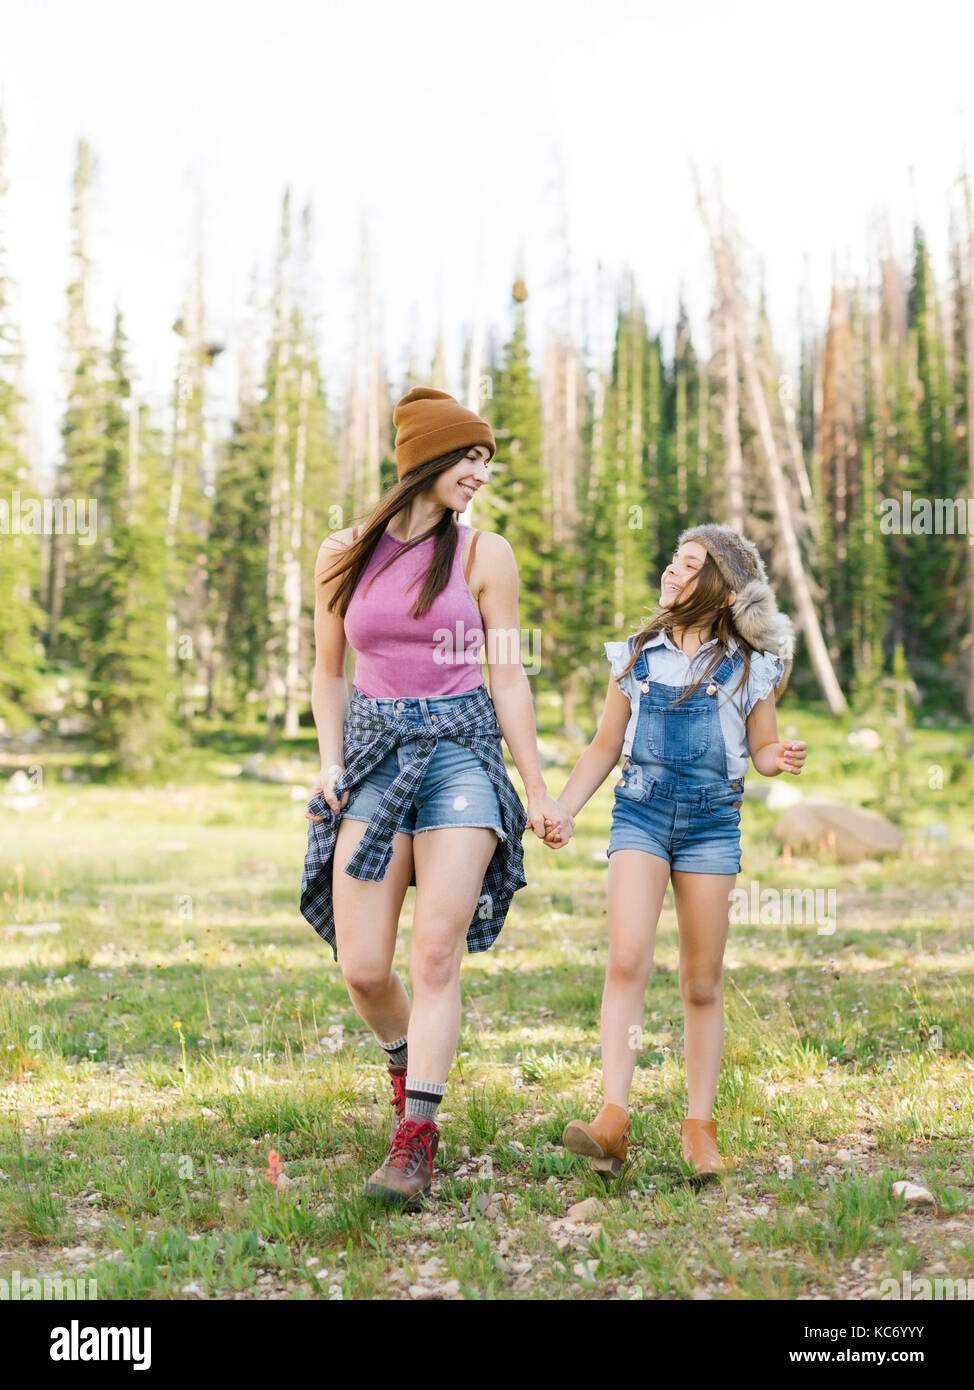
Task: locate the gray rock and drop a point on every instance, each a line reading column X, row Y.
column 851, row 832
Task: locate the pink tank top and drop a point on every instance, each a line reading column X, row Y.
column 399, row 655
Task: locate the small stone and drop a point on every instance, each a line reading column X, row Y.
column 584, row 1211
column 913, row 1194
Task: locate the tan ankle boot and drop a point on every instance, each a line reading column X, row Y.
column 605, row 1141
column 698, row 1141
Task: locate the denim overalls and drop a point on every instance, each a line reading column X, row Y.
column 675, row 798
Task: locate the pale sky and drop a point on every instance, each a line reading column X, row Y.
column 443, row 123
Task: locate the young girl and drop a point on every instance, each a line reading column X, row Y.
column 691, row 695
column 413, row 786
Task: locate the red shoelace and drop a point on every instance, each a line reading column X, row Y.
column 408, row 1137
column 398, row 1101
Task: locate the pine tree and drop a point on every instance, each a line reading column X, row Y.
column 516, row 503
column 189, row 504
column 75, row 563
column 20, row 614
column 130, row 681
column 238, row 535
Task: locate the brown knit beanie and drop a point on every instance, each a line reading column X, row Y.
column 430, row 422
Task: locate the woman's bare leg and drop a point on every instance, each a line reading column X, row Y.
column 450, row 868
column 366, row 925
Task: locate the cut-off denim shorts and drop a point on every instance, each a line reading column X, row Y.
column 697, row 831
column 455, row 789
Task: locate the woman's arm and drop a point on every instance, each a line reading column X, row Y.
column 494, row 581
column 768, row 754
column 602, row 754
column 329, row 689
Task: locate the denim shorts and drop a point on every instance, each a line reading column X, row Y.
column 455, row 789
column 696, row 829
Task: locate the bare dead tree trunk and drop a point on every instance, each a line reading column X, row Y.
column 135, row 450
column 292, row 564
column 373, row 402
column 730, row 400
column 725, row 261
column 969, row 642
column 476, row 388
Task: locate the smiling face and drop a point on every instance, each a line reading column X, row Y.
column 680, row 576
column 457, row 485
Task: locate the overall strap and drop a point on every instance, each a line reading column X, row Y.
column 641, row 668
column 469, row 565
column 731, row 663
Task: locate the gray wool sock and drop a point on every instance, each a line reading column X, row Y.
column 423, row 1099
column 395, row 1051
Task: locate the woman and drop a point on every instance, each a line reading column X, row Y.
column 413, row 787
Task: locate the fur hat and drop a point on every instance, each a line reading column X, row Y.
column 756, row 615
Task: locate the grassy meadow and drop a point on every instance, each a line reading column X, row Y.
column 167, row 1019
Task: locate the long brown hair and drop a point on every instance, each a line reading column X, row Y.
column 353, row 561
column 703, row 607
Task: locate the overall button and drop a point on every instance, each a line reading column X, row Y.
column 735, row 803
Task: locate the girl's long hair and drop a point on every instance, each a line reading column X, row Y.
column 703, row 607
column 352, row 562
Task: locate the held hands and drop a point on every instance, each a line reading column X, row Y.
column 545, row 814
column 325, row 784
column 559, row 829
column 790, row 756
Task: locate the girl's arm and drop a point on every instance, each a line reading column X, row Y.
column 329, row 689
column 498, row 599
column 768, row 754
column 602, row 754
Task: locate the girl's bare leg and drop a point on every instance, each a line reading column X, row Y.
column 637, row 883
column 702, row 909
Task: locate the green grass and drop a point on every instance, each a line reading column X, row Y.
column 184, row 1021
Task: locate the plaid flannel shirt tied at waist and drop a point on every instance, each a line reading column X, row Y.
column 369, row 735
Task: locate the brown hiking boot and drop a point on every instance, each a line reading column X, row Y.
column 698, row 1143
column 605, row 1141
column 397, row 1075
column 406, row 1176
